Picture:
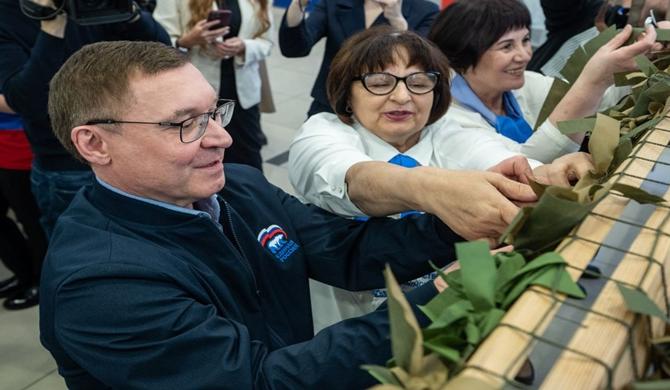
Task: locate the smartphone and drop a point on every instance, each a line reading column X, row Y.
column 222, row 15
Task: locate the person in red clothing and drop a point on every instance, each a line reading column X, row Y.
column 21, row 252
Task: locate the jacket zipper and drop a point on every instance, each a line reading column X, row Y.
column 246, row 262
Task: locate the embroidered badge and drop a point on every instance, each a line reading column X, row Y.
column 275, row 239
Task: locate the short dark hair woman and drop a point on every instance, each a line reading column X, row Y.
column 487, row 43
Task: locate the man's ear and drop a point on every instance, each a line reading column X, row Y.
column 91, row 144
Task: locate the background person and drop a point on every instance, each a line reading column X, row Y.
column 337, row 20
column 30, row 54
column 229, row 58
column 155, row 281
column 564, row 20
column 488, row 46
column 20, row 253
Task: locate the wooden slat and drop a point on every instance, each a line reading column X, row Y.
column 505, row 349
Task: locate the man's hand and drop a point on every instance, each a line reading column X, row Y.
column 515, row 168
column 565, row 170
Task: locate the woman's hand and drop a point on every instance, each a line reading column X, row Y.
column 201, row 35
column 229, row 48
column 296, row 12
column 565, row 170
column 586, row 93
column 474, row 204
column 392, row 10
column 659, row 46
column 515, row 168
column 613, row 57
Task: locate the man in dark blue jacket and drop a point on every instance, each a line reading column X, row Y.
column 160, row 277
column 31, row 52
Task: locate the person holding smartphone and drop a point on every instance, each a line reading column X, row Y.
column 226, row 40
column 337, row 20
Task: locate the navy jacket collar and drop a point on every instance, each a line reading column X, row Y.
column 118, row 206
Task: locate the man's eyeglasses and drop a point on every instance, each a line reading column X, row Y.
column 382, row 83
column 190, row 129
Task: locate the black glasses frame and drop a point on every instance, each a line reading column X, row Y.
column 228, row 105
column 363, row 79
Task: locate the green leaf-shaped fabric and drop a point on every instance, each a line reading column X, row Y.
column 478, row 273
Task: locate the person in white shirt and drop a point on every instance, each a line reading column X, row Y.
column 389, row 95
column 488, row 45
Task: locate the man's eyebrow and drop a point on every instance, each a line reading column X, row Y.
column 190, row 111
column 184, row 111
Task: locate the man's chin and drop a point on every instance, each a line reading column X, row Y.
column 221, row 183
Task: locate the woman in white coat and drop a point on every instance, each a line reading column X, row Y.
column 488, row 45
column 229, row 58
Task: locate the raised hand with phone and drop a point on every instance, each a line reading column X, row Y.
column 202, row 34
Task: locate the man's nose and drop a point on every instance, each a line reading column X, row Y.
column 216, row 136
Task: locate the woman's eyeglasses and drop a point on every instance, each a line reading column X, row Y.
column 190, row 129
column 382, row 83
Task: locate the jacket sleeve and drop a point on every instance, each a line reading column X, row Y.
column 257, row 49
column 422, row 18
column 351, row 254
column 319, row 158
column 26, row 73
column 168, row 15
column 463, row 140
column 149, row 332
column 298, row 41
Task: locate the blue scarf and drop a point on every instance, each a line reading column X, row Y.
column 512, row 125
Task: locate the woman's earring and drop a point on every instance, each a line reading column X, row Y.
column 348, row 109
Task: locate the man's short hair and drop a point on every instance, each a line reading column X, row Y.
column 467, row 28
column 94, row 83
column 371, row 51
